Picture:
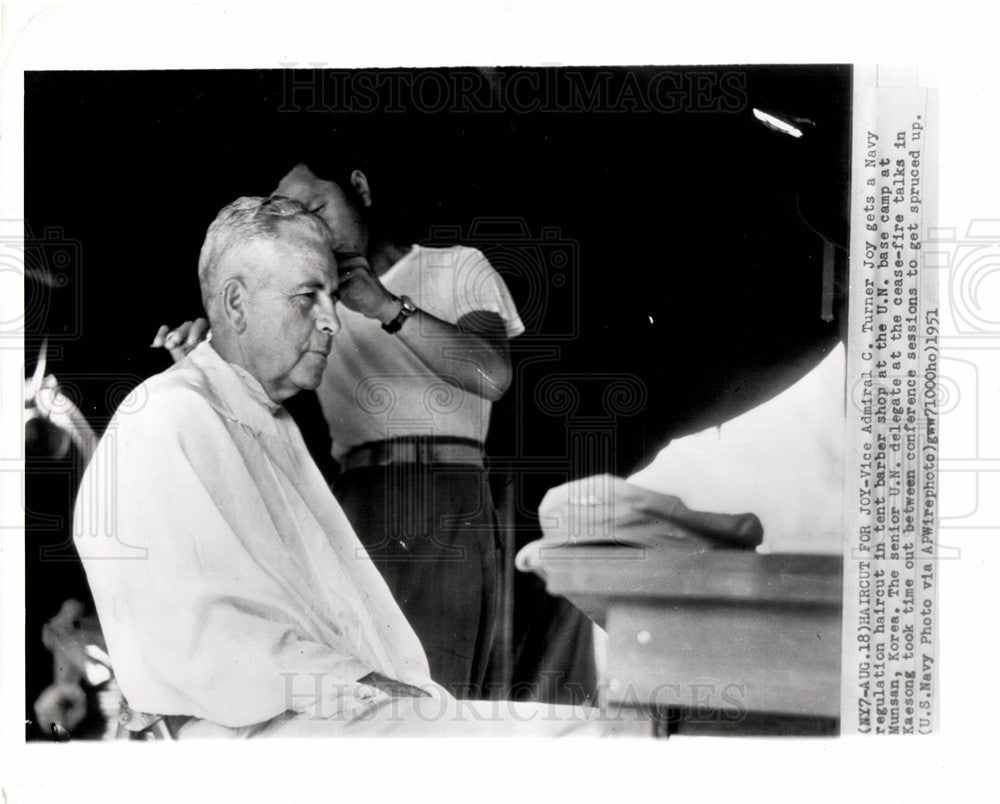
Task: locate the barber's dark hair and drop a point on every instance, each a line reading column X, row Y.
column 330, row 153
column 334, row 167
column 397, row 208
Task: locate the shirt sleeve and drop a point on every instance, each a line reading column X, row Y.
column 194, row 623
column 478, row 287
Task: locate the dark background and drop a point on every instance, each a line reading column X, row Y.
column 666, row 255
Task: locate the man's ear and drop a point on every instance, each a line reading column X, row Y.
column 359, row 181
column 234, row 303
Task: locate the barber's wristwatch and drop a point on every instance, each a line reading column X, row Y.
column 408, row 309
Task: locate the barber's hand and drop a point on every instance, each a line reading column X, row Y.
column 181, row 340
column 361, row 290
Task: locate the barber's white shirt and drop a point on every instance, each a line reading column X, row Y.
column 375, row 388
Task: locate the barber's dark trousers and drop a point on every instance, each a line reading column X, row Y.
column 431, row 531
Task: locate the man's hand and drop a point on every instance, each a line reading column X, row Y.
column 361, row 290
column 181, row 340
column 397, row 689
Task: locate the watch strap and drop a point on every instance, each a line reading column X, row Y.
column 408, row 308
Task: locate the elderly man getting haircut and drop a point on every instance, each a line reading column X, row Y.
column 407, row 397
column 233, row 593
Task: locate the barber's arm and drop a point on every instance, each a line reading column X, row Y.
column 472, row 354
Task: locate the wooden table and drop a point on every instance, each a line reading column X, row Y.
column 723, row 641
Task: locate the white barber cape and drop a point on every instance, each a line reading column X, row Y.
column 229, row 584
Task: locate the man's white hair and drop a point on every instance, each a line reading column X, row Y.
column 239, row 229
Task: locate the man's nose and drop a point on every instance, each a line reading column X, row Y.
column 327, row 320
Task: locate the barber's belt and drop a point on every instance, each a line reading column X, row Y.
column 420, row 450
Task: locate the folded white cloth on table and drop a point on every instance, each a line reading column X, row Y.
column 603, row 510
column 783, row 460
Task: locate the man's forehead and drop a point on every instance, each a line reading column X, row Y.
column 295, row 259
